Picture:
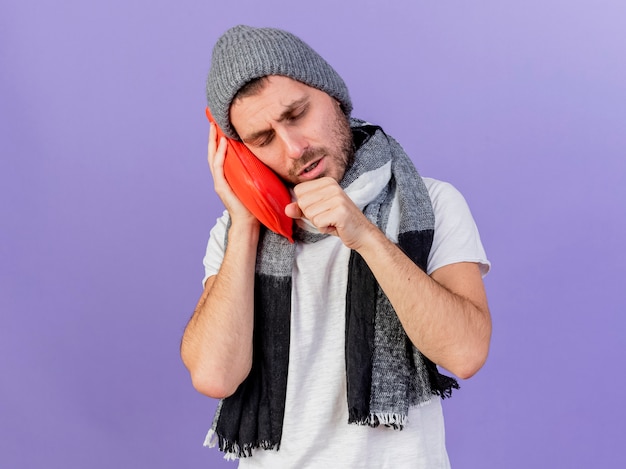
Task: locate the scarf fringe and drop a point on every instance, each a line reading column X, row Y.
column 232, row 450
column 445, row 386
column 374, row 419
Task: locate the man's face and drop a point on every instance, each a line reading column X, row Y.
column 298, row 131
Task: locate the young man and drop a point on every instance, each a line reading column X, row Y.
column 324, row 352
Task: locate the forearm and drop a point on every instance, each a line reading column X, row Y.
column 217, row 342
column 446, row 316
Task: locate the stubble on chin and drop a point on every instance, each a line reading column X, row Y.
column 341, row 155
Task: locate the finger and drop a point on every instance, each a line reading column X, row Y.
column 329, row 230
column 216, row 158
column 211, row 144
column 293, row 210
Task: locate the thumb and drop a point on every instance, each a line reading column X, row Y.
column 292, row 210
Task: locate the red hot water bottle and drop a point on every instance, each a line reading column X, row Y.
column 256, row 185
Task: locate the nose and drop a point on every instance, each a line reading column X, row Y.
column 294, row 143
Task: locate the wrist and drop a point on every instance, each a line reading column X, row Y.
column 244, row 229
column 369, row 240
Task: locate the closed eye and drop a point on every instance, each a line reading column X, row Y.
column 260, row 138
column 264, row 139
column 297, row 113
column 297, row 110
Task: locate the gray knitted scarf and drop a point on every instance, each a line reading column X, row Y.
column 385, row 373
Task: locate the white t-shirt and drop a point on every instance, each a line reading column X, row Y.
column 315, row 429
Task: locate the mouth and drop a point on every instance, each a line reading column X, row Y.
column 310, row 167
column 313, row 170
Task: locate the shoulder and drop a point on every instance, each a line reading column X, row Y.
column 456, row 235
column 443, row 194
column 447, row 201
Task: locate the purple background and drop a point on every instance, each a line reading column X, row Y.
column 106, row 203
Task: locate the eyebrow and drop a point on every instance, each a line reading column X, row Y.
column 283, row 115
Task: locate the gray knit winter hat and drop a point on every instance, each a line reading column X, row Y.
column 244, row 53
